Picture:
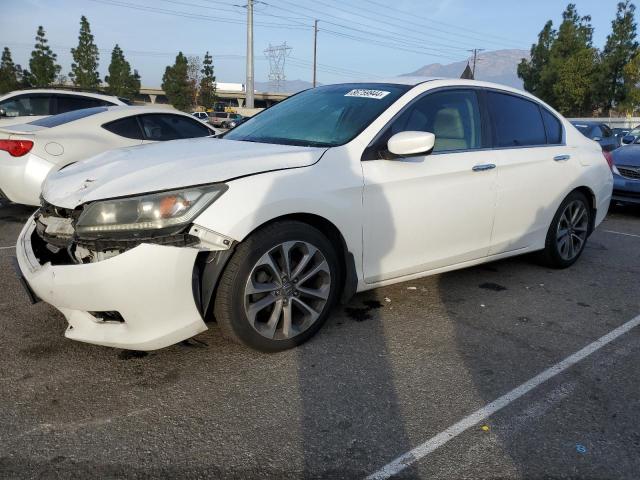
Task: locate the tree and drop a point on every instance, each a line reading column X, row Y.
column 176, row 84
column 530, row 71
column 563, row 68
column 84, row 69
column 573, row 65
column 207, row 83
column 631, row 74
column 121, row 82
column 620, row 48
column 44, row 68
column 10, row 73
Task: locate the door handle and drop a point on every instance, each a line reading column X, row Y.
column 561, row 158
column 483, row 167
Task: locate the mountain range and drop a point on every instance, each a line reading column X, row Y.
column 499, row 66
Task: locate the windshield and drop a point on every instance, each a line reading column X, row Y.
column 326, row 116
column 583, row 129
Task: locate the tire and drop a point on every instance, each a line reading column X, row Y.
column 574, row 218
column 259, row 301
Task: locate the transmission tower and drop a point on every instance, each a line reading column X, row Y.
column 277, row 54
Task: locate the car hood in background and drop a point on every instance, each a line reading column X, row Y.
column 168, row 165
column 629, row 155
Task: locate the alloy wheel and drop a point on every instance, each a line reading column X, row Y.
column 287, row 290
column 572, row 230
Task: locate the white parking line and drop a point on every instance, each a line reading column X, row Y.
column 622, row 233
column 421, row 451
column 7, row 248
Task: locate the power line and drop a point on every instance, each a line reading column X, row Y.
column 384, row 20
column 395, row 43
column 174, row 13
column 479, row 35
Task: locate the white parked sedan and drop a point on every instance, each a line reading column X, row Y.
column 338, row 189
column 29, row 152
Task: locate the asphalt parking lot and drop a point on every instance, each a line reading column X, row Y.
column 391, row 370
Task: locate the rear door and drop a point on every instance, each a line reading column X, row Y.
column 534, row 169
column 426, row 212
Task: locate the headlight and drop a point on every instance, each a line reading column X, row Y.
column 155, row 211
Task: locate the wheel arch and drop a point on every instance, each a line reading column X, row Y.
column 209, row 266
column 591, row 196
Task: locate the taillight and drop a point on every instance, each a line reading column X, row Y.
column 16, row 148
column 609, row 158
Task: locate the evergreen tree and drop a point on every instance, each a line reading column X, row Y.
column 176, row 84
column 84, row 69
column 10, row 73
column 121, row 82
column 620, row 48
column 530, row 71
column 207, row 83
column 631, row 74
column 563, row 68
column 573, row 66
column 43, row 62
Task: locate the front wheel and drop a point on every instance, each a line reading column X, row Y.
column 568, row 233
column 278, row 288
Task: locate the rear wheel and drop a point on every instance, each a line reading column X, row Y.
column 568, row 233
column 278, row 288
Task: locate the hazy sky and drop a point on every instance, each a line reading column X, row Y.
column 377, row 37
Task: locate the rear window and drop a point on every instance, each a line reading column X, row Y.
column 68, row 103
column 517, row 122
column 552, row 126
column 125, row 127
column 63, row 118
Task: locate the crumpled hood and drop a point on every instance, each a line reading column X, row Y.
column 167, row 165
column 627, row 155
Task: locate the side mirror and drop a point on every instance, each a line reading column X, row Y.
column 627, row 139
column 407, row 144
column 3, row 112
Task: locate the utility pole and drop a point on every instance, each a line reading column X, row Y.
column 315, row 52
column 249, row 83
column 475, row 52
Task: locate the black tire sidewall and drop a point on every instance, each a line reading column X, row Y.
column 551, row 245
column 252, row 250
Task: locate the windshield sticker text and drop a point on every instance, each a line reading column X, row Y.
column 363, row 93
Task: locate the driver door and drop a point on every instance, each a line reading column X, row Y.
column 426, row 212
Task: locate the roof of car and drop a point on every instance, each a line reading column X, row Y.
column 100, row 96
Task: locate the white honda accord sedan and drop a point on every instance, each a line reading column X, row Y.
column 336, row 190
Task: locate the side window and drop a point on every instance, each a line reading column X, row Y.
column 68, row 103
column 27, row 105
column 452, row 116
column 125, row 127
column 516, row 122
column 171, row 127
column 188, row 128
column 552, row 126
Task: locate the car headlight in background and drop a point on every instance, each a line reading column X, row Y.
column 151, row 212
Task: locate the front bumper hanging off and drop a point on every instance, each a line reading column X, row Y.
column 141, row 299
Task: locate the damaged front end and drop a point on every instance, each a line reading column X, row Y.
column 99, row 231
column 55, row 239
